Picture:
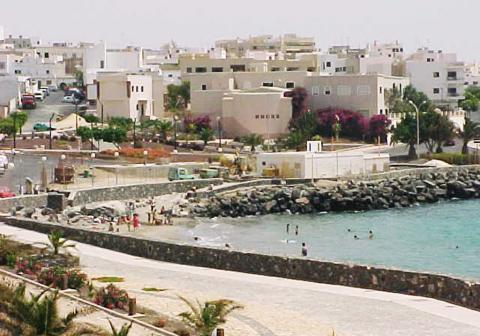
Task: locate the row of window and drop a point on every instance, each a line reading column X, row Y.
column 288, row 85
column 342, row 90
column 451, row 91
column 239, row 68
column 135, row 88
column 19, row 72
column 267, row 116
column 450, row 74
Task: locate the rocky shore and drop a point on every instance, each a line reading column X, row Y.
column 401, row 192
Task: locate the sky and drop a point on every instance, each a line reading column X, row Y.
column 447, row 25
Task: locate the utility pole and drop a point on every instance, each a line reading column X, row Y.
column 14, row 130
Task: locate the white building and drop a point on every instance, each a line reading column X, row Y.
column 472, row 74
column 315, row 165
column 9, row 94
column 135, row 96
column 439, row 75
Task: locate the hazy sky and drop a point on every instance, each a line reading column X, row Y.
column 441, row 24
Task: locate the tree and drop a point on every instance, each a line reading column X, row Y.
column 205, row 318
column 352, row 124
column 79, row 76
column 206, row 134
column 438, row 129
column 299, row 97
column 419, row 98
column 378, row 127
column 296, row 140
column 253, row 140
column 6, row 126
column 163, row 127
column 20, row 119
column 84, row 132
column 406, row 132
column 471, row 130
column 56, row 242
column 116, row 135
column 90, row 118
column 472, row 99
column 121, row 122
column 178, row 96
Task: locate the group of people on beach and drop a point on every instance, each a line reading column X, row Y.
column 356, row 237
column 304, row 245
column 152, row 214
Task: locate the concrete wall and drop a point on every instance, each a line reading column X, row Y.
column 136, row 191
column 440, row 287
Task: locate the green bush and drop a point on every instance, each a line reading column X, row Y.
column 91, row 118
column 453, row 158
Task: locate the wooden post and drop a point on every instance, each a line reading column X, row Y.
column 64, row 281
column 132, row 306
column 220, row 332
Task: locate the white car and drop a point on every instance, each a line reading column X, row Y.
column 70, row 99
column 39, row 95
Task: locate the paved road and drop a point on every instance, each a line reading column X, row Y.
column 277, row 307
column 44, row 110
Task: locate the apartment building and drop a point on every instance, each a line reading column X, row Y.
column 137, row 96
column 472, row 74
column 439, row 75
column 363, row 93
column 289, row 44
column 9, row 94
column 21, row 41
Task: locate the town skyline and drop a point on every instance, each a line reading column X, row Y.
column 363, row 23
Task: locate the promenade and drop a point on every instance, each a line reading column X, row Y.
column 274, row 306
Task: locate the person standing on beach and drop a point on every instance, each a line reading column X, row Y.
column 136, row 222
column 288, row 228
column 304, row 250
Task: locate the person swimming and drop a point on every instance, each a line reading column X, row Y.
column 370, row 234
column 348, row 230
column 356, row 237
column 304, row 250
column 296, row 230
column 288, row 228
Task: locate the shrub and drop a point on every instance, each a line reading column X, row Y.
column 27, row 265
column 453, row 158
column 353, row 124
column 53, row 277
column 111, row 297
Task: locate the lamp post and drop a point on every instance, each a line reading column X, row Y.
column 92, row 156
column 50, row 130
column 175, row 120
column 219, row 127
column 134, row 131
column 116, row 155
column 145, row 155
column 62, row 164
column 418, row 119
column 14, row 130
column 44, row 178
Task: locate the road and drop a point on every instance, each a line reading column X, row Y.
column 274, row 306
column 44, row 110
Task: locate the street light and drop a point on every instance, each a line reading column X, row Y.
column 175, row 120
column 116, row 155
column 145, row 154
column 50, row 130
column 219, row 128
column 14, row 130
column 418, row 119
column 92, row 156
column 44, row 177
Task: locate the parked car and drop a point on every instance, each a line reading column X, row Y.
column 28, row 101
column 5, row 192
column 45, row 90
column 42, row 127
column 71, row 99
column 39, row 95
column 175, row 174
column 53, row 88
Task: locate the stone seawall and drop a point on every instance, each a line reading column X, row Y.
column 439, row 287
column 25, row 201
column 136, row 191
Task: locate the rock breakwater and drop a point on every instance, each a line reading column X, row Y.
column 401, row 192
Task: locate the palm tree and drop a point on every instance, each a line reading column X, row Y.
column 205, row 318
column 163, row 127
column 253, row 140
column 206, row 134
column 57, row 242
column 471, row 130
column 122, row 332
column 38, row 315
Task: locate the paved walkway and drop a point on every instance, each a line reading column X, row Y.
column 274, row 306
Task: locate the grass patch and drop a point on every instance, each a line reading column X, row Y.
column 109, row 279
column 153, row 289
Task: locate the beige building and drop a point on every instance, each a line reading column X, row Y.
column 135, row 96
column 367, row 94
column 289, row 44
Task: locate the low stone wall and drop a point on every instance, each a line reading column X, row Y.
column 26, row 201
column 440, row 287
column 136, row 191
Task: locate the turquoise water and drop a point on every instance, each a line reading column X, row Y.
column 423, row 238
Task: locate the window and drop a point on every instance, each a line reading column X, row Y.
column 238, row 67
column 170, row 75
column 475, row 83
column 262, row 117
column 189, row 70
column 141, row 88
column 268, row 84
column 436, row 90
column 49, row 82
column 452, row 75
column 278, row 116
column 344, row 90
column 257, row 116
column 102, row 64
column 292, row 69
column 264, row 163
column 430, row 60
column 217, row 69
column 452, row 92
column 328, row 64
column 48, row 72
column 18, row 72
column 204, row 87
column 137, row 107
column 290, row 85
column 315, row 91
column 363, row 90
column 133, row 88
column 327, row 90
column 381, row 90
column 341, row 69
column 436, row 74
column 136, row 88
column 2, row 66
column 275, row 69
column 46, row 55
column 200, row 69
column 381, row 111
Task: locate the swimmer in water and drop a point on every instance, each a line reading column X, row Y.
column 227, row 245
column 356, row 237
column 196, row 238
column 288, row 228
column 370, row 234
column 296, row 230
column 348, row 230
